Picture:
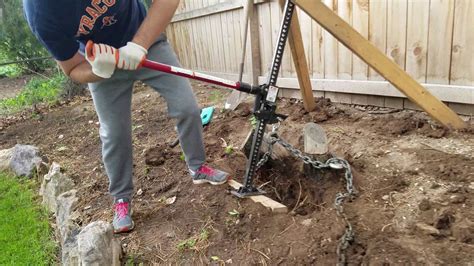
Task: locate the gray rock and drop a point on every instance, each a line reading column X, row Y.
column 54, row 184
column 25, row 160
column 69, row 249
column 97, row 245
column 66, row 214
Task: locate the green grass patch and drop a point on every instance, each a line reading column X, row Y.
column 25, row 234
column 10, row 71
column 38, row 90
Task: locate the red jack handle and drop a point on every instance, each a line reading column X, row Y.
column 178, row 71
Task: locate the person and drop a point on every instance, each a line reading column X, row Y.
column 118, row 35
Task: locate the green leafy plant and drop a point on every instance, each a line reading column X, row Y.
column 17, row 42
column 38, row 90
column 234, row 213
column 229, row 150
column 195, row 243
column 253, row 121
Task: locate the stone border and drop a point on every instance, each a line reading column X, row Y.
column 94, row 244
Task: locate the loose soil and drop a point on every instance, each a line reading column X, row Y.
column 414, row 181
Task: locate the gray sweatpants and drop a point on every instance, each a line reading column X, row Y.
column 112, row 100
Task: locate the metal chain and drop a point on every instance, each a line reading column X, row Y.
column 341, row 197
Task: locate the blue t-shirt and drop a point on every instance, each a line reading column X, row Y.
column 65, row 26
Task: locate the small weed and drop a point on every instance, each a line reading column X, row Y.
column 182, row 157
column 229, row 150
column 253, row 121
column 234, row 213
column 195, row 243
column 133, row 260
column 215, row 258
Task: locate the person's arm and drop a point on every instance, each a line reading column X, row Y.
column 99, row 63
column 159, row 16
column 78, row 69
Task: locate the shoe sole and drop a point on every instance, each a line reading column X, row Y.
column 204, row 181
column 124, row 229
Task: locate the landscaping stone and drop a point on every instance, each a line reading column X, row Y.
column 54, row 184
column 97, row 245
column 22, row 160
column 25, row 159
column 5, row 159
column 70, row 251
column 66, row 215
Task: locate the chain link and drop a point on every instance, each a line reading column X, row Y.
column 333, row 163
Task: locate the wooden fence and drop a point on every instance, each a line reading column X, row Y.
column 433, row 40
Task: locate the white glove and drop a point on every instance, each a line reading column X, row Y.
column 103, row 59
column 131, row 56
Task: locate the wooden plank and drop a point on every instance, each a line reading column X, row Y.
column 306, row 33
column 344, row 55
column 266, row 34
column 196, row 38
column 377, row 30
column 407, row 104
column 377, row 60
column 338, row 97
column 447, row 93
column 360, row 22
column 463, row 109
column 439, row 41
column 417, row 39
column 295, row 41
column 317, row 51
column 273, row 205
column 207, row 10
column 396, row 31
column 360, row 99
column 375, row 100
column 226, row 40
column 255, row 55
column 462, row 64
column 330, row 48
column 392, row 102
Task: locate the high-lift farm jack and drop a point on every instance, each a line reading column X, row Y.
column 265, row 113
column 265, row 98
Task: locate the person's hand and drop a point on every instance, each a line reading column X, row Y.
column 131, row 56
column 103, row 59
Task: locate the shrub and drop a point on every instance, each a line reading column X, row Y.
column 16, row 40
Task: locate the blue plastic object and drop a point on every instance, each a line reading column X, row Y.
column 206, row 115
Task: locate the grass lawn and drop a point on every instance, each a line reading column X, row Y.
column 25, row 234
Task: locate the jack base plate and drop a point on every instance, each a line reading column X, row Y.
column 243, row 192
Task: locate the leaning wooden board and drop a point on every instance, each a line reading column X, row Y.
column 275, row 206
column 381, row 63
